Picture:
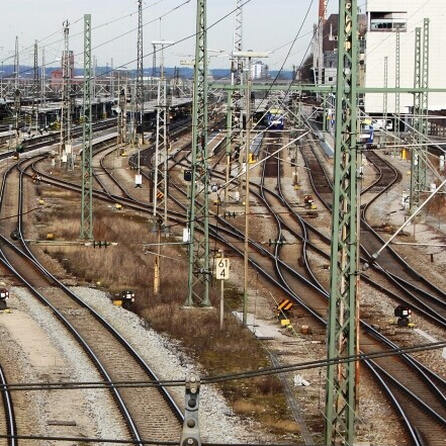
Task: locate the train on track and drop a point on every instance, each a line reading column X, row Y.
column 275, row 119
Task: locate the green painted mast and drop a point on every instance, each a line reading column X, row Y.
column 87, row 152
column 424, row 126
column 343, row 317
column 199, row 275
column 397, row 82
column 415, row 165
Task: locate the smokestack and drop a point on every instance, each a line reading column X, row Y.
column 322, row 10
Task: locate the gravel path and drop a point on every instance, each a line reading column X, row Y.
column 218, row 421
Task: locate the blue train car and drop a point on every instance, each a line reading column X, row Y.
column 275, row 119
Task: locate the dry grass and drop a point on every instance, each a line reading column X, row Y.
column 126, row 266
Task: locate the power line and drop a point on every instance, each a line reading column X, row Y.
column 80, row 33
column 182, row 39
column 165, row 14
column 267, row 371
column 81, row 440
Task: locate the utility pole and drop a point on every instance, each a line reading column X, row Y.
column 36, row 85
column 87, row 152
column 418, row 178
column 66, row 148
column 154, row 60
column 17, row 104
column 247, row 55
column 385, row 98
column 43, row 79
column 112, row 79
column 133, row 120
column 95, row 67
column 160, row 174
column 237, row 81
column 161, row 148
column 140, row 73
column 157, row 262
column 229, row 127
column 415, row 164
column 397, row 82
column 343, row 309
column 122, row 119
column 199, row 274
column 238, row 32
column 424, row 117
column 247, row 209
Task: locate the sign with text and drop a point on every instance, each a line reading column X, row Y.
column 222, row 269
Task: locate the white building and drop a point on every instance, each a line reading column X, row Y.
column 259, row 70
column 384, row 17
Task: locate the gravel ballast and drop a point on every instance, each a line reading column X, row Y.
column 97, row 404
column 217, row 420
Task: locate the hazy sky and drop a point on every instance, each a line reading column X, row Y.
column 269, row 24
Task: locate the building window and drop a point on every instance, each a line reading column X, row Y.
column 388, row 21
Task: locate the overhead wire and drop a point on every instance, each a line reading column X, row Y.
column 266, row 371
column 154, row 442
column 117, row 19
column 182, row 39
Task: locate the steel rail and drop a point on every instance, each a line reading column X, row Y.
column 30, row 257
column 99, row 366
column 8, row 407
column 254, row 264
column 148, row 370
column 376, row 370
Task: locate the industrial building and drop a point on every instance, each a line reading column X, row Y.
column 384, row 18
column 378, row 27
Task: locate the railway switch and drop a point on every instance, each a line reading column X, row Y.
column 191, row 431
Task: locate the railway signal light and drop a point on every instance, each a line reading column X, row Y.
column 272, row 242
column 191, row 431
column 100, row 244
column 4, row 296
column 403, row 313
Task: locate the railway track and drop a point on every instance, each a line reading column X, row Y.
column 400, row 378
column 429, row 380
column 8, row 421
column 383, row 376
column 430, row 386
column 405, row 284
column 148, row 414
